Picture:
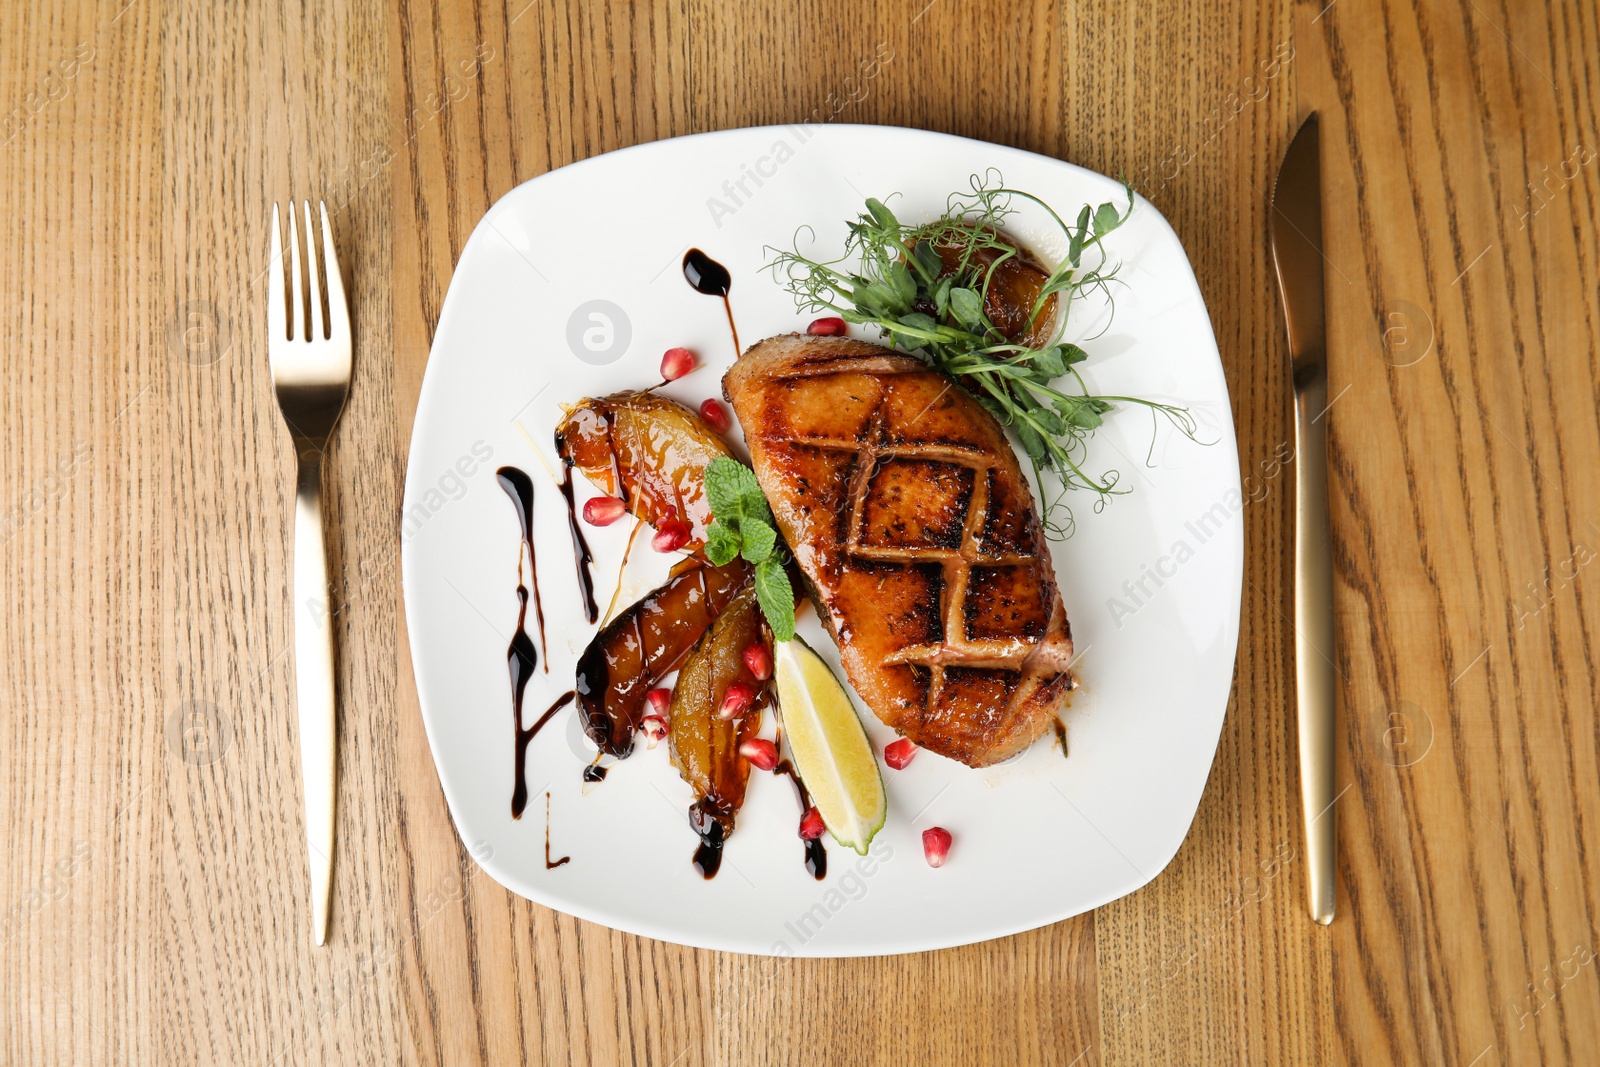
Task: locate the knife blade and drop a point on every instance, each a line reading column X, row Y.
column 1296, row 237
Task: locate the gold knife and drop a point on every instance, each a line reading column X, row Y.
column 1296, row 229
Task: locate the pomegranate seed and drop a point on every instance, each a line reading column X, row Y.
column 660, row 700
column 898, row 754
column 670, row 536
column 735, row 700
column 676, row 363
column 811, row 824
column 654, row 728
column 759, row 661
column 833, row 326
column 603, row 511
column 935, row 846
column 762, row 754
column 716, row 415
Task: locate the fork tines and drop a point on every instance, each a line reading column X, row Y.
column 289, row 320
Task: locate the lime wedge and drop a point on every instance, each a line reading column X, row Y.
column 831, row 751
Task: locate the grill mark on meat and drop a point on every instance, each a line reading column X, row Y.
column 931, row 571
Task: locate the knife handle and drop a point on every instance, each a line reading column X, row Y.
column 1313, row 641
column 314, row 687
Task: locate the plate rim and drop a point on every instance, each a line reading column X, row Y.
column 642, row 926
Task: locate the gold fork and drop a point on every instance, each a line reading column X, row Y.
column 311, row 374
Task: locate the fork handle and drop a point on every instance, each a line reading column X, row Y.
column 1313, row 642
column 314, row 688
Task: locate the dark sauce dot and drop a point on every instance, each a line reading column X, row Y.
column 713, row 835
column 816, row 852
column 706, row 275
column 817, row 859
column 550, row 864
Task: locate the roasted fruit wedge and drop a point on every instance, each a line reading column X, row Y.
column 831, row 750
column 705, row 747
column 1015, row 282
column 640, row 646
column 649, row 451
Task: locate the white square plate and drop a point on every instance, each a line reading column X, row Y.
column 1151, row 583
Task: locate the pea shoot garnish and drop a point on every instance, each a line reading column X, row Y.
column 957, row 293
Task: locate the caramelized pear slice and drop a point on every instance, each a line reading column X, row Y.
column 640, row 646
column 1014, row 285
column 705, row 748
column 649, row 451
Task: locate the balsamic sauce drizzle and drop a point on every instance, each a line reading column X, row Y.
column 580, row 548
column 708, row 857
column 521, row 657
column 816, row 854
column 519, row 794
column 548, row 865
column 519, row 487
column 1061, row 736
column 706, row 275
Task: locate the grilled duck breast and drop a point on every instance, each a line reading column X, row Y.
column 908, row 513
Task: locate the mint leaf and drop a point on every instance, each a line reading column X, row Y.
column 727, row 481
column 722, row 543
column 759, row 539
column 776, row 598
column 742, row 523
column 754, row 504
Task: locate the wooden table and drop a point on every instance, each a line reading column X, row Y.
column 153, row 880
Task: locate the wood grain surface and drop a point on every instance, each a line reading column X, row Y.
column 152, row 886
